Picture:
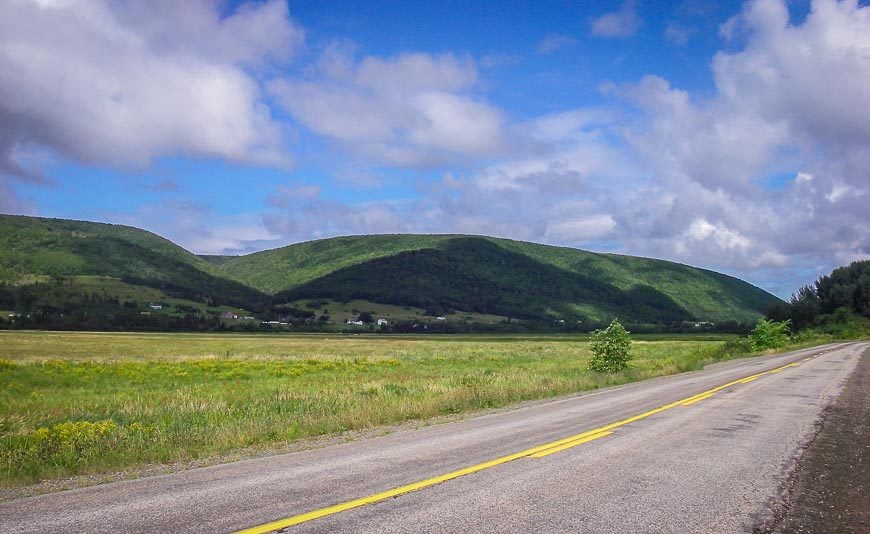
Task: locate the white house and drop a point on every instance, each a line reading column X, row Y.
column 383, row 322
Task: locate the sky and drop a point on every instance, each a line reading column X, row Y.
column 733, row 136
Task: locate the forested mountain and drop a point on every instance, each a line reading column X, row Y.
column 62, row 267
column 483, row 273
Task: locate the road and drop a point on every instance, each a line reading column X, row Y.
column 700, row 452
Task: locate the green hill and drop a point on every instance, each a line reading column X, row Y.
column 499, row 276
column 60, row 266
column 33, row 248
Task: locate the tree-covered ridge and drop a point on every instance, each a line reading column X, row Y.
column 701, row 293
column 54, row 247
column 276, row 270
column 473, row 274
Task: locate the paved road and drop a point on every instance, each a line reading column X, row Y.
column 708, row 463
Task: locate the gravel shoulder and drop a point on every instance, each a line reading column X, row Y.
column 829, row 490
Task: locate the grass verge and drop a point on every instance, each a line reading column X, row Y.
column 74, row 403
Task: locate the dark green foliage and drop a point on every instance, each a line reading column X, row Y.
column 804, row 307
column 610, row 349
column 846, row 287
column 476, row 275
column 835, row 304
column 704, row 295
column 769, row 334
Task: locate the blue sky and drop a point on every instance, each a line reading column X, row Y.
column 728, row 135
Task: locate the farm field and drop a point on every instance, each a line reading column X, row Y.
column 85, row 403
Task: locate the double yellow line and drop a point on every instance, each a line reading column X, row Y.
column 535, row 452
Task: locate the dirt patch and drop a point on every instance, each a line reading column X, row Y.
column 829, row 490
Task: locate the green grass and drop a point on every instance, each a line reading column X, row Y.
column 80, row 403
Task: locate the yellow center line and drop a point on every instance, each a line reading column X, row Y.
column 697, row 399
column 570, row 444
column 539, row 451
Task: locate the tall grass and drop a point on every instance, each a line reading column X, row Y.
column 88, row 403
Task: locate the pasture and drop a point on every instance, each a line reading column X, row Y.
column 85, row 403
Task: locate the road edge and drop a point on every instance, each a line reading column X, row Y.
column 811, row 497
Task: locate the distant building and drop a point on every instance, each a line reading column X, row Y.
column 154, row 306
column 229, row 315
column 383, row 322
column 441, row 318
column 357, row 323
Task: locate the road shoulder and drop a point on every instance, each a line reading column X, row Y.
column 829, row 489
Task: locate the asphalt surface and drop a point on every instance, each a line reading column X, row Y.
column 830, row 489
column 715, row 465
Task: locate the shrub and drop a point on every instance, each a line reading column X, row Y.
column 610, row 349
column 731, row 349
column 769, row 334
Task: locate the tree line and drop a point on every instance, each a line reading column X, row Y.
column 839, row 299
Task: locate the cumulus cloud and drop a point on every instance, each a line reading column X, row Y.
column 410, row 110
column 558, row 196
column 619, row 24
column 306, row 217
column 197, row 227
column 792, row 99
column 663, row 173
column 120, row 84
column 814, row 76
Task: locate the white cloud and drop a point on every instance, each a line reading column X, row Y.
column 410, row 110
column 671, row 175
column 554, row 42
column 622, row 23
column 123, row 83
column 199, row 229
column 793, row 98
column 677, row 34
column 581, row 230
column 709, row 142
column 287, row 196
column 316, row 218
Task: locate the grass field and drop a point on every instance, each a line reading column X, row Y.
column 77, row 403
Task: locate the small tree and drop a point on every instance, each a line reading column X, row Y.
column 769, row 334
column 610, row 349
